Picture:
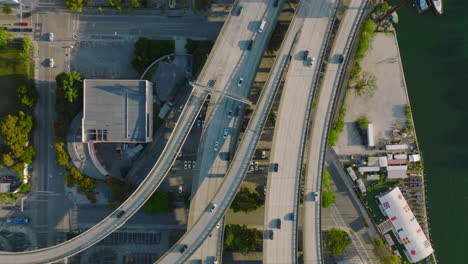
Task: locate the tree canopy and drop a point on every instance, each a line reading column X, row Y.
column 76, row 5
column 246, row 201
column 5, row 36
column 239, row 238
column 337, row 241
column 148, row 50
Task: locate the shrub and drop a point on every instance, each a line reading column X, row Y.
column 120, row 191
column 28, row 155
column 363, row 122
column 27, row 95
column 76, row 5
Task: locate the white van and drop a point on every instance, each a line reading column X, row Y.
column 262, row 26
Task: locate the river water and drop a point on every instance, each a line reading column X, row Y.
column 434, row 51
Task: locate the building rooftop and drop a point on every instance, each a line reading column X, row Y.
column 407, row 229
column 117, row 111
column 5, row 187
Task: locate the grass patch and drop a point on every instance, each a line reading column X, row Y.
column 13, row 73
column 200, row 49
column 328, row 196
column 160, row 202
column 372, row 204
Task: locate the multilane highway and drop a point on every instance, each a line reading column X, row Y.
column 320, row 127
column 225, row 113
column 314, row 17
column 218, row 58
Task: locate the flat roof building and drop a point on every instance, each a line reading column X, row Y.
column 405, row 226
column 117, row 111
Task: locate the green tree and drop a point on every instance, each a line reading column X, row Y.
column 246, row 201
column 148, row 50
column 135, row 3
column 363, row 122
column 6, row 9
column 384, row 7
column 159, row 202
column 28, row 155
column 76, row 5
column 27, row 95
column 239, row 238
column 27, row 49
column 328, row 198
column 62, row 156
column 120, row 191
column 18, row 168
column 5, row 36
column 7, row 160
column 393, row 259
column 337, row 241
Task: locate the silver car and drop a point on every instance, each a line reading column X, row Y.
column 239, row 83
column 225, row 134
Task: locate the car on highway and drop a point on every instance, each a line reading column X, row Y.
column 249, row 45
column 216, row 146
column 51, row 36
column 340, row 58
column 278, row 223
column 120, row 213
column 269, row 234
column 251, row 166
column 225, row 133
column 305, row 55
column 229, row 115
column 218, row 225
column 239, row 83
column 315, row 196
column 198, row 122
column 180, row 108
column 212, row 207
column 51, row 63
column 264, row 189
column 239, row 11
column 262, row 26
column 26, row 14
column 275, row 167
column 311, row 61
column 183, row 248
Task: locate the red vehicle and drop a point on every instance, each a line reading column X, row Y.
column 23, row 23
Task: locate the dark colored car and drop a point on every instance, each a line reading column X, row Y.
column 275, row 3
column 275, row 167
column 26, row 14
column 249, row 45
column 183, row 248
column 306, row 55
column 239, row 10
column 120, row 214
column 278, row 223
column 340, row 58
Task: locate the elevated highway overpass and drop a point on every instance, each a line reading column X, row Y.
column 320, row 127
column 219, row 58
column 283, row 188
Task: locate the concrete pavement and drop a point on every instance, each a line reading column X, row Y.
column 313, row 19
column 320, row 127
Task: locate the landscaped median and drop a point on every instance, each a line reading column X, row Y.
column 17, row 101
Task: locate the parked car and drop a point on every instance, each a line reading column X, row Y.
column 225, row 134
column 340, row 58
column 275, row 3
column 51, row 63
column 23, row 24
column 305, row 55
column 216, row 146
column 218, row 225
column 51, row 36
column 264, row 189
column 189, row 164
column 229, row 115
column 263, row 154
column 275, row 167
column 256, row 165
column 193, row 164
column 185, row 165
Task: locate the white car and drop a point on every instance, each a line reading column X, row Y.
column 216, row 146
column 225, row 134
column 217, row 225
column 256, row 166
column 212, row 207
column 193, row 164
column 180, row 108
column 51, row 36
column 252, row 166
column 229, row 115
column 311, row 61
column 239, row 84
column 198, row 122
column 189, row 164
column 315, row 196
column 180, row 189
column 51, row 63
column 185, row 165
